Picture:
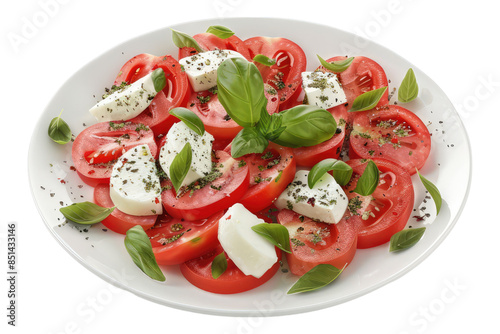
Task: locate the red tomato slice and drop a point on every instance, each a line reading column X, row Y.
column 384, row 212
column 96, row 148
column 215, row 196
column 310, row 156
column 175, row 93
column 199, row 273
column 285, row 75
column 119, row 221
column 314, row 242
column 176, row 240
column 208, row 41
column 393, row 133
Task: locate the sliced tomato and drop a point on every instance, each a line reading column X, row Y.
column 393, row 133
column 310, row 156
column 213, row 196
column 96, row 148
column 199, row 273
column 314, row 242
column 384, row 212
column 119, row 221
column 215, row 118
column 175, row 93
column 285, row 75
column 208, row 41
column 177, row 240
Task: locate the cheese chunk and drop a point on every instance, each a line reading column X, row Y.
column 323, row 89
column 134, row 184
column 201, row 147
column 201, row 68
column 325, row 202
column 249, row 251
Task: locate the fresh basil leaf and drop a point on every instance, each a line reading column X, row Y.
column 270, row 125
column 59, row 130
column 182, row 40
column 86, row 213
column 306, row 126
column 190, row 119
column 406, row 238
column 368, row 100
column 336, row 66
column 264, row 60
column 408, row 90
column 180, row 166
column 342, row 172
column 433, row 190
column 368, row 181
column 318, row 277
column 220, row 31
column 276, row 234
column 140, row 250
column 248, row 140
column 241, row 91
column 159, row 80
column 219, row 265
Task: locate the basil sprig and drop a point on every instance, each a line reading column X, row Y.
column 159, row 80
column 342, row 172
column 219, row 265
column 247, row 141
column 368, row 181
column 220, row 31
column 140, row 250
column 408, row 90
column 182, row 40
column 86, row 213
column 264, row 60
column 368, row 100
column 406, row 238
column 274, row 233
column 180, row 166
column 59, row 130
column 190, row 119
column 336, row 66
column 318, row 277
column 433, row 190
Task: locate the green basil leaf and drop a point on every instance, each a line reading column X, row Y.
column 180, row 166
column 368, row 100
column 140, row 250
column 406, row 238
column 270, row 125
column 408, row 90
column 182, row 40
column 241, row 91
column 159, row 79
column 220, row 31
column 368, row 181
column 317, row 277
column 306, row 126
column 219, row 265
column 336, row 66
column 247, row 141
column 190, row 119
column 264, row 60
column 85, row 212
column 433, row 190
column 276, row 234
column 59, row 130
column 342, row 172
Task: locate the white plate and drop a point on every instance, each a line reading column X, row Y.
column 449, row 167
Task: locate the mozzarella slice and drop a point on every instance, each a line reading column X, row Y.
column 325, row 202
column 201, row 147
column 201, row 68
column 323, row 89
column 134, row 184
column 250, row 252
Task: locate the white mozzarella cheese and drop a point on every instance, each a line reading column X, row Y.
column 323, row 89
column 249, row 251
column 325, row 202
column 134, row 184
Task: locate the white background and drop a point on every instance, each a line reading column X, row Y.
column 454, row 42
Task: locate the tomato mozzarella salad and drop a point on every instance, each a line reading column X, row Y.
column 128, row 158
